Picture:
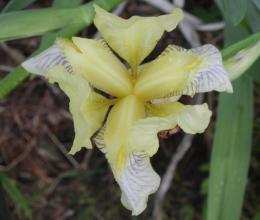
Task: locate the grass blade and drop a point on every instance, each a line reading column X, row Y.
column 234, row 10
column 15, row 5
column 15, row 195
column 232, row 145
column 4, row 211
column 16, row 25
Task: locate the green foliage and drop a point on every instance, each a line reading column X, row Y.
column 233, row 10
column 236, row 47
column 15, row 194
column 4, row 212
column 14, row 5
column 44, row 20
column 231, row 152
column 257, row 3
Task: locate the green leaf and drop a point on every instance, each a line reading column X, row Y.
column 15, row 194
column 18, row 75
column 65, row 3
column 232, row 145
column 247, row 41
column 15, row 25
column 4, row 212
column 253, row 17
column 254, row 71
column 257, row 3
column 257, row 216
column 233, row 10
column 15, row 5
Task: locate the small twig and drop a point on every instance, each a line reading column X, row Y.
column 166, row 182
column 67, row 214
column 20, row 157
column 5, row 68
column 15, row 54
column 167, row 7
column 211, row 26
column 61, row 147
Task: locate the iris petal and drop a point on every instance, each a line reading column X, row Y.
column 93, row 60
column 77, row 89
column 134, row 38
column 143, row 135
column 182, row 72
column 132, row 169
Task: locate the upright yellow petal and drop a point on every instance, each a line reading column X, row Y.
column 94, row 61
column 133, row 39
column 120, row 119
column 166, row 75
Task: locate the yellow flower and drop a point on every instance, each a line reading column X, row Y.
column 122, row 109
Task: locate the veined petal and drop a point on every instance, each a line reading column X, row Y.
column 132, row 170
column 212, row 75
column 83, row 102
column 93, row 60
column 53, row 56
column 134, row 38
column 199, row 70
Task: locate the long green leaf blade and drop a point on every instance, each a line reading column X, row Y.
column 15, row 25
column 232, row 146
column 14, row 5
column 234, row 10
column 15, row 194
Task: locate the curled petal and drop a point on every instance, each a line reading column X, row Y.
column 94, row 61
column 133, row 39
column 143, row 135
column 53, row 56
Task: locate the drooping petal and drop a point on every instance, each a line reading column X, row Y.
column 82, row 102
column 143, row 135
column 53, row 56
column 179, row 71
column 134, row 38
column 190, row 118
column 132, row 169
column 137, row 179
column 93, row 60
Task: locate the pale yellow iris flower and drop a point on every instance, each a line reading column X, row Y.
column 122, row 109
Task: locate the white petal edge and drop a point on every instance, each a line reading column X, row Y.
column 137, row 180
column 212, row 75
column 43, row 62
